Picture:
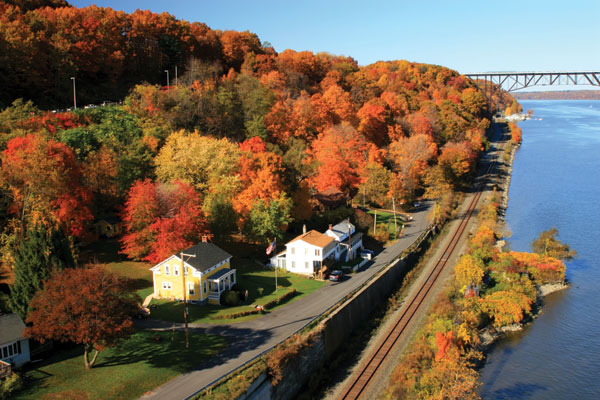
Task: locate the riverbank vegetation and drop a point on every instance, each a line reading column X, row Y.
column 492, row 288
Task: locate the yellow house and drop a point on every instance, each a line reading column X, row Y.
column 206, row 275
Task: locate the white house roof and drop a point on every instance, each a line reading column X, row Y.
column 340, row 231
column 12, row 328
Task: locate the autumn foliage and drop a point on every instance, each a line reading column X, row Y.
column 491, row 289
column 88, row 306
column 161, row 219
column 44, row 181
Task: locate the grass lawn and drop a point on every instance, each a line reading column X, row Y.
column 249, row 278
column 387, row 218
column 125, row 372
column 106, row 253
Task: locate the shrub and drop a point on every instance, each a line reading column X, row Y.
column 260, row 291
column 236, row 315
column 280, row 299
column 230, row 298
column 9, row 385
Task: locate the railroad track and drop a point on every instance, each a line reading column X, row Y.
column 368, row 371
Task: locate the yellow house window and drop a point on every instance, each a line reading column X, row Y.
column 191, row 288
column 167, row 270
column 176, row 270
column 204, row 286
column 166, row 285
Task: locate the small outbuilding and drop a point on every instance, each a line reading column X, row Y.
column 109, row 227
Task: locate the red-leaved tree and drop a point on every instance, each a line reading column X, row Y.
column 161, row 219
column 44, row 181
column 88, row 306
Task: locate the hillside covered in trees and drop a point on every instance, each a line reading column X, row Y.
column 240, row 143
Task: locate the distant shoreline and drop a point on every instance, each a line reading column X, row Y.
column 558, row 95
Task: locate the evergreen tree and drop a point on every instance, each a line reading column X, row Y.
column 36, row 256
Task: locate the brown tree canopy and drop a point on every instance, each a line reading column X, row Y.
column 88, row 306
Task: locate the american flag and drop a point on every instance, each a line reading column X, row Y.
column 272, row 246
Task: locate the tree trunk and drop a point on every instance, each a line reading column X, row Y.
column 87, row 349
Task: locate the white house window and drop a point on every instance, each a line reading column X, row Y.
column 293, row 250
column 167, row 270
column 166, row 285
column 11, row 349
column 293, row 264
column 306, row 264
column 191, row 288
column 317, row 252
column 306, row 250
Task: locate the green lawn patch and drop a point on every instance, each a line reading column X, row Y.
column 106, row 253
column 387, row 218
column 127, row 371
column 260, row 284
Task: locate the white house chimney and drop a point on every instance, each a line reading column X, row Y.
column 303, row 228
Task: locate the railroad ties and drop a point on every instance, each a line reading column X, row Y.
column 368, row 371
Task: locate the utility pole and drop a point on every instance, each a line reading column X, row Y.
column 167, row 71
column 176, row 75
column 185, row 307
column 375, row 223
column 350, row 240
column 395, row 226
column 74, row 94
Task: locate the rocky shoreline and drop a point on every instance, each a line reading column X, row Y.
column 489, row 335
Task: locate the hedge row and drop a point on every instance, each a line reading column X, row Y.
column 280, row 300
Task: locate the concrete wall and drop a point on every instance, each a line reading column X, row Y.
column 337, row 328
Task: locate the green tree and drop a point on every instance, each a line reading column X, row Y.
column 548, row 245
column 266, row 220
column 36, row 256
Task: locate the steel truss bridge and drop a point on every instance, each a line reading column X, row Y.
column 512, row 81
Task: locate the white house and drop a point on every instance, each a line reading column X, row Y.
column 14, row 345
column 346, row 237
column 307, row 253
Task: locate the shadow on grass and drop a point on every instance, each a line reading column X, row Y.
column 102, row 251
column 166, row 349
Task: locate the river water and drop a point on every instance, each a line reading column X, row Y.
column 555, row 182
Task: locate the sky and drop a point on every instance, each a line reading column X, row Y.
column 467, row 36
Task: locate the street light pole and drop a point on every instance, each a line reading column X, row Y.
column 74, row 94
column 167, row 71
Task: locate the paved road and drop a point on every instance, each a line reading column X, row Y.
column 249, row 339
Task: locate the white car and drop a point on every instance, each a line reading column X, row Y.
column 366, row 254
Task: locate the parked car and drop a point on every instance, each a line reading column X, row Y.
column 366, row 254
column 336, row 275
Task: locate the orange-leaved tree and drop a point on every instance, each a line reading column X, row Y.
column 161, row 219
column 88, row 306
column 341, row 154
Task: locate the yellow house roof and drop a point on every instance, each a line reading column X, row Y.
column 315, row 238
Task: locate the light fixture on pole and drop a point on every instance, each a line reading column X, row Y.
column 167, row 71
column 74, row 95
